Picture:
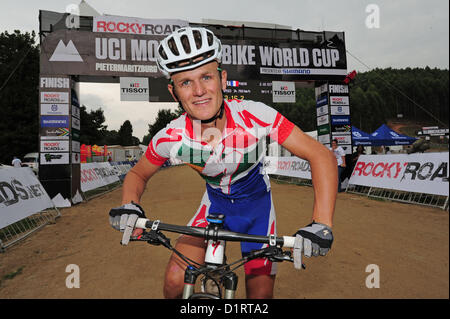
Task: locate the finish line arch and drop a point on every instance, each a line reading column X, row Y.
column 263, row 64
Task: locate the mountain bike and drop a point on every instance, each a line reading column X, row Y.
column 218, row 279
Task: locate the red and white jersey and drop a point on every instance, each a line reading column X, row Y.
column 239, row 153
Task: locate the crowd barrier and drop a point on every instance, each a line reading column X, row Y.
column 419, row 178
column 24, row 205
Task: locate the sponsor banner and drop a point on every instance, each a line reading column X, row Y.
column 323, row 129
column 324, row 139
column 341, row 129
column 75, row 111
column 76, row 146
column 335, row 89
column 134, row 89
column 75, row 158
column 287, row 166
column 21, row 195
column 54, row 109
column 75, row 123
column 340, row 120
column 322, row 110
column 130, row 25
column 54, row 121
column 94, row 175
column 339, row 100
column 75, row 134
column 54, row 83
column 54, row 97
column 54, row 158
column 283, row 92
column 54, row 133
column 418, row 172
column 121, row 168
column 54, row 146
column 340, row 110
column 123, row 49
column 324, row 119
column 342, row 138
column 321, row 89
column 322, row 101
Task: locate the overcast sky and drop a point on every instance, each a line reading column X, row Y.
column 411, row 33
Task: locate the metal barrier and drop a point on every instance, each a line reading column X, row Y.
column 381, row 193
column 400, row 196
column 13, row 233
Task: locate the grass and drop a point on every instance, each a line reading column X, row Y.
column 11, row 275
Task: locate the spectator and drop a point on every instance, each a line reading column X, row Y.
column 387, row 150
column 351, row 161
column 339, row 153
column 16, row 162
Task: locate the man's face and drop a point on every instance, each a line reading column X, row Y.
column 333, row 145
column 199, row 90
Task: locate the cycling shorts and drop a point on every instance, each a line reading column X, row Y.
column 253, row 215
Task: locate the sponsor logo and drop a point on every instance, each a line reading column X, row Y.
column 339, row 100
column 342, row 128
column 337, row 120
column 125, row 25
column 134, row 89
column 75, row 111
column 342, row 138
column 14, row 191
column 75, row 123
column 54, row 146
column 54, row 109
column 54, row 121
column 340, row 110
column 324, row 119
column 322, row 110
column 427, row 171
column 54, row 97
column 322, row 101
column 65, row 53
column 47, row 133
column 54, row 158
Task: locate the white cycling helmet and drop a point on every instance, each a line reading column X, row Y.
column 187, row 48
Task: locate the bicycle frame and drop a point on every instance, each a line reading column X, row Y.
column 215, row 265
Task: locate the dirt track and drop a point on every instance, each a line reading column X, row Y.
column 409, row 243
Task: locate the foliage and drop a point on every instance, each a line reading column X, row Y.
column 419, row 95
column 19, row 95
column 162, row 119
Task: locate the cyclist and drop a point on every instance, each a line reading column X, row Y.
column 223, row 140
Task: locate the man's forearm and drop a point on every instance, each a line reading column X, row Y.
column 324, row 179
column 133, row 188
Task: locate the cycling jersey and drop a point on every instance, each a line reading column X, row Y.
column 236, row 184
column 242, row 146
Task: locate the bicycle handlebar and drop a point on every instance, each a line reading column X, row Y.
column 219, row 234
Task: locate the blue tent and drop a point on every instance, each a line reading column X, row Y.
column 360, row 137
column 385, row 136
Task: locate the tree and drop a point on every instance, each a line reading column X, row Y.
column 92, row 128
column 19, row 95
column 126, row 134
column 162, row 119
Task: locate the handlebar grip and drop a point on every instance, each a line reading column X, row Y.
column 142, row 223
